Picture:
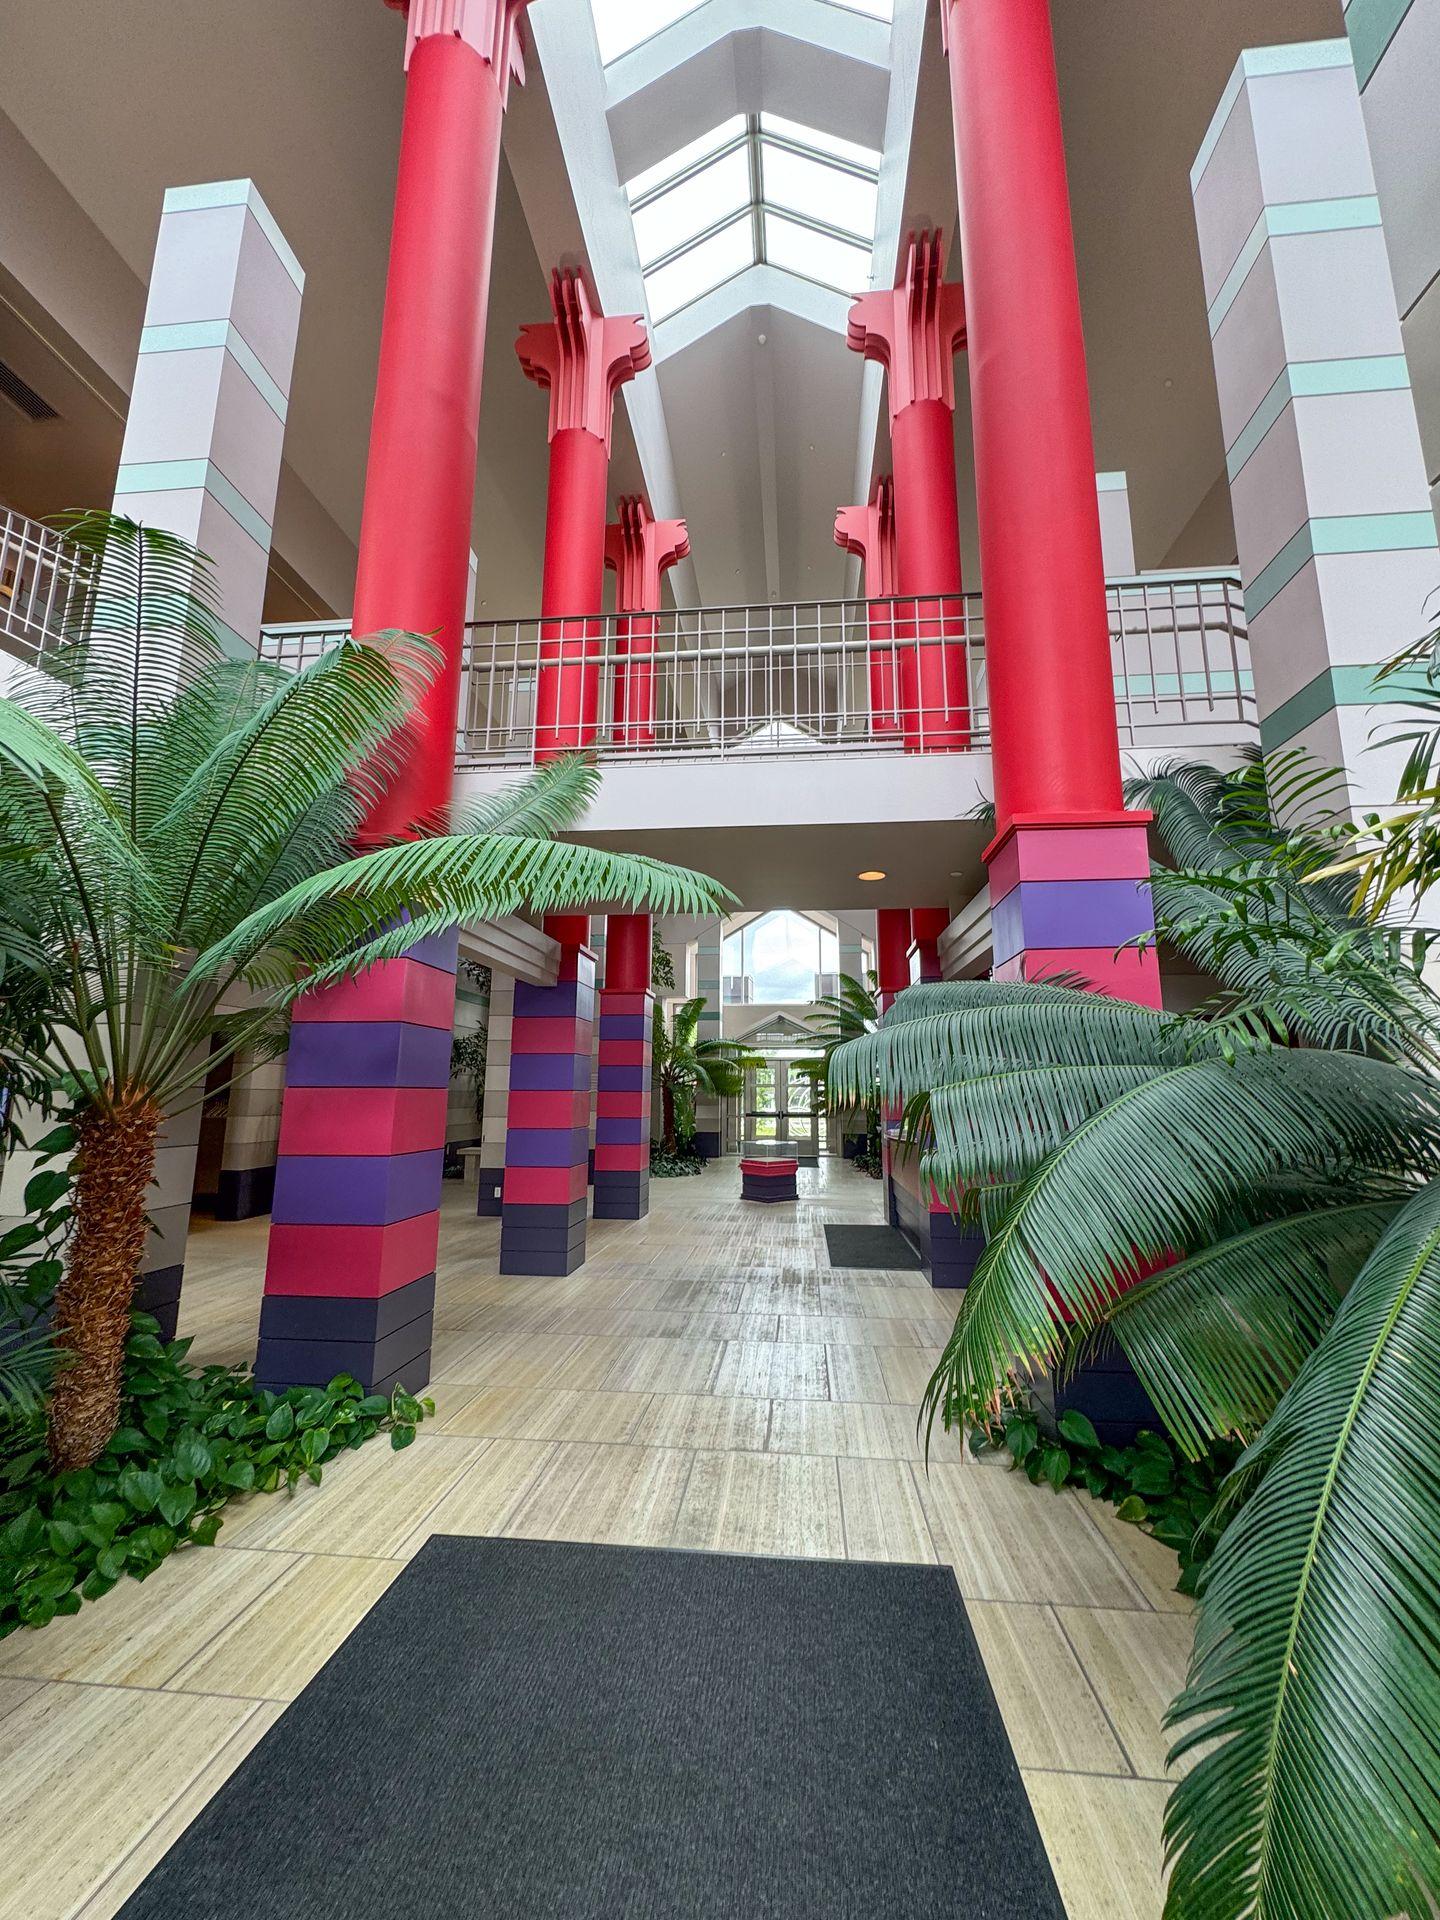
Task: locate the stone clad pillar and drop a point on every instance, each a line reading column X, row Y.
column 201, row 458
column 547, row 1139
column 641, row 550
column 622, row 1097
column 583, row 360
column 914, row 332
column 362, row 1138
column 869, row 533
column 1327, row 479
column 1069, row 869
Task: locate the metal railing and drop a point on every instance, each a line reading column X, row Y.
column 838, row 676
column 42, row 579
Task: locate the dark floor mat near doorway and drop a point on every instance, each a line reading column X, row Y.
column 870, row 1247
column 530, row 1728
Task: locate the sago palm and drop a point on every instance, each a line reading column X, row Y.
column 180, row 828
column 687, row 1068
column 1290, row 1197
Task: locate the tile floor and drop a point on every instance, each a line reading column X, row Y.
column 706, row 1380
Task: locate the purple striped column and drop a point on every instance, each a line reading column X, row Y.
column 546, row 1200
column 622, row 1096
column 350, row 1276
column 1066, row 897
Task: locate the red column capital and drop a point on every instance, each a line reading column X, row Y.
column 915, row 329
column 641, row 550
column 581, row 357
column 491, row 27
column 869, row 533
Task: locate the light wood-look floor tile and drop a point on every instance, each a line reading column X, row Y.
column 867, row 1432
column 284, row 1639
column 85, row 1772
column 377, row 1506
column 624, row 1496
column 1104, row 1842
column 482, row 1500
column 13, row 1692
column 1008, row 1540
column 1136, row 1663
column 1051, row 1712
column 763, row 1503
column 704, row 1422
column 1153, row 1567
column 774, row 1371
column 883, row 1517
column 143, row 1631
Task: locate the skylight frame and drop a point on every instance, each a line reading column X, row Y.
column 755, row 135
column 609, row 60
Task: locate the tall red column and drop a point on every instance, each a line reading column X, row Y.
column 350, row 1272
column 583, row 359
column 927, row 926
column 1069, row 868
column 892, row 952
column 869, row 533
column 641, row 550
column 622, row 1093
column 914, row 331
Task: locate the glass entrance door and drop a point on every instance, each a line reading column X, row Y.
column 780, row 1104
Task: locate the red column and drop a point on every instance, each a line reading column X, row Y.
column 892, row 952
column 1069, row 874
column 350, row 1272
column 869, row 533
column 641, row 550
column 915, row 332
column 622, row 1094
column 927, row 924
column 583, row 359
column 415, row 529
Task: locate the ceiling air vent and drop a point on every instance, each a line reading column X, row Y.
column 22, row 395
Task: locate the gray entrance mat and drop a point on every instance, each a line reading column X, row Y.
column 531, row 1728
column 871, row 1247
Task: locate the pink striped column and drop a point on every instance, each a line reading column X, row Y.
column 869, row 533
column 622, row 1098
column 546, row 1200
column 1066, row 897
column 350, row 1281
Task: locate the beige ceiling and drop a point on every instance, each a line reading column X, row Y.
column 121, row 100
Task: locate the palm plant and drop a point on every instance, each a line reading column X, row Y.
column 185, row 823
column 1249, row 1205
column 686, row 1068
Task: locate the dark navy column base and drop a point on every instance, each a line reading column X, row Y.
column 158, row 1294
column 954, row 1251
column 490, row 1182
column 244, row 1192
column 543, row 1239
column 707, row 1145
column 768, row 1187
column 306, row 1339
column 1108, row 1392
column 622, row 1196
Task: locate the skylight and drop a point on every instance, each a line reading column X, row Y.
column 755, row 189
column 621, row 25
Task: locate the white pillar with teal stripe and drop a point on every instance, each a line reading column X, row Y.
column 1332, row 513
column 206, row 425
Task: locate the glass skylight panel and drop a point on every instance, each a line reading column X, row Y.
column 623, row 24
column 877, row 9
column 841, row 264
column 812, row 137
column 697, row 203
column 701, row 268
column 688, row 156
column 814, row 188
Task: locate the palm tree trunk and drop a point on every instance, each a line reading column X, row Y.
column 667, row 1110
column 114, row 1165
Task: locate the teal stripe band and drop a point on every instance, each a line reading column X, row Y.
column 1111, row 482
column 1372, row 25
column 1359, row 686
column 1260, row 63
column 1162, row 686
column 234, row 644
column 191, row 335
column 1294, row 217
column 237, row 193
column 1350, row 533
column 1311, row 379
column 185, row 476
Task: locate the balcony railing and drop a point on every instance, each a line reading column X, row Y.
column 41, row 577
column 840, row 676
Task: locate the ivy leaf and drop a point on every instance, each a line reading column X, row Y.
column 1055, row 1465
column 401, row 1436
column 64, row 1537
column 1134, row 1510
column 24, row 1535
column 110, row 1562
column 281, row 1423
column 204, row 1531
column 178, row 1503
column 1078, row 1429
column 43, row 1189
column 97, row 1584
column 141, row 1488
column 193, row 1459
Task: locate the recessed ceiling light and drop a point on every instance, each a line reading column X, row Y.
column 874, row 874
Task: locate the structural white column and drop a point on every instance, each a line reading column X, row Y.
column 494, row 1118
column 1117, row 538
column 252, row 1139
column 1332, row 509
column 206, row 424
column 201, row 458
column 709, row 1121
